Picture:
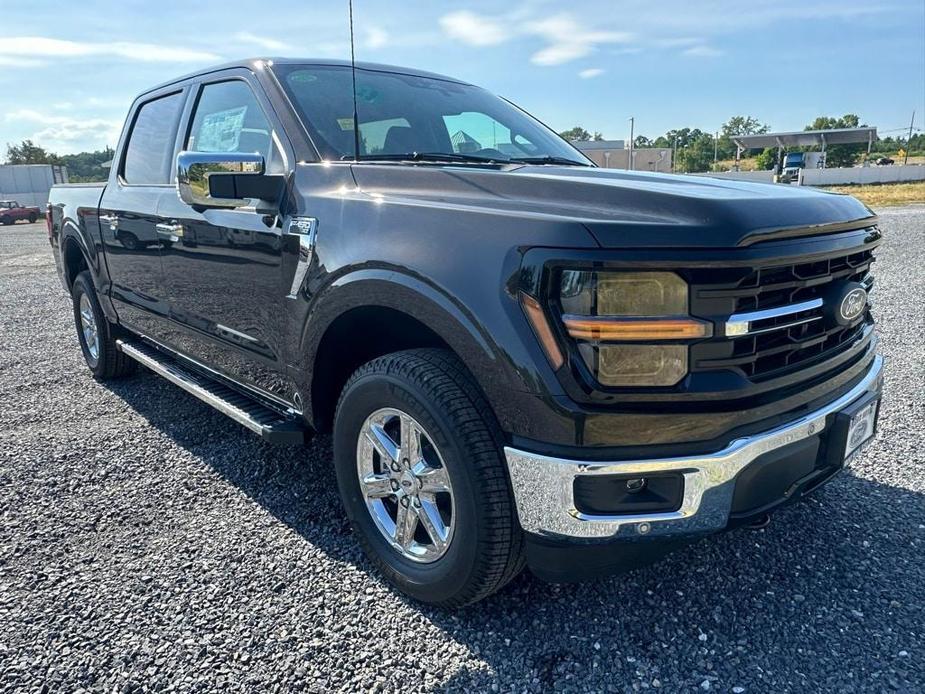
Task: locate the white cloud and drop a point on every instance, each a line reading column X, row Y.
column 64, row 134
column 262, row 41
column 590, row 72
column 473, row 29
column 13, row 61
column 29, row 47
column 702, row 52
column 376, row 37
column 568, row 40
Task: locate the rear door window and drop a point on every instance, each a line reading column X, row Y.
column 150, row 146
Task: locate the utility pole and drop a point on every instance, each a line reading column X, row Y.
column 629, row 163
column 674, row 155
column 715, row 149
column 909, row 139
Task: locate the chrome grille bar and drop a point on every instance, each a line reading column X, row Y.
column 740, row 324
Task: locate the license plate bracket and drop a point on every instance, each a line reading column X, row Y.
column 854, row 426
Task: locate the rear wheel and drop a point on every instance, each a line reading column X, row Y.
column 95, row 333
column 419, row 467
column 32, row 218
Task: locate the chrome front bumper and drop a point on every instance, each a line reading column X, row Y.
column 543, row 486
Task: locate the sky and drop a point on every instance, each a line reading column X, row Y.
column 70, row 69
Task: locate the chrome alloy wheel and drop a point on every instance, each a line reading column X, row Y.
column 91, row 334
column 405, row 485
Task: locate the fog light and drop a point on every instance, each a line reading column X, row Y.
column 659, row 492
column 635, row 486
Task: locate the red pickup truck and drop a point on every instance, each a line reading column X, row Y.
column 11, row 212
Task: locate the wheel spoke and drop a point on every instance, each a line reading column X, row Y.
column 434, row 480
column 388, row 449
column 410, row 440
column 377, row 486
column 406, row 521
column 429, row 516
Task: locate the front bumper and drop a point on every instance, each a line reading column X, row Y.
column 544, row 486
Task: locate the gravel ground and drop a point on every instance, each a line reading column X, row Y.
column 149, row 543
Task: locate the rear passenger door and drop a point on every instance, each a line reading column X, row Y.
column 223, row 271
column 140, row 179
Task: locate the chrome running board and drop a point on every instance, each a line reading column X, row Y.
column 272, row 425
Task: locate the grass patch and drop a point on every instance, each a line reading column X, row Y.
column 885, row 194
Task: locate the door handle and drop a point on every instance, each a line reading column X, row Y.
column 111, row 219
column 306, row 229
column 169, row 232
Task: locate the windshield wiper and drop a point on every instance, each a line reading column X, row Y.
column 433, row 156
column 546, row 159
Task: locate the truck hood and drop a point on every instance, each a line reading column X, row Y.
column 624, row 209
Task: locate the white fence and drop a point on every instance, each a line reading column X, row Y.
column 863, row 174
column 836, row 177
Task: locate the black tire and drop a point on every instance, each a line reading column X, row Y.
column 433, row 387
column 32, row 218
column 110, row 363
column 6, row 221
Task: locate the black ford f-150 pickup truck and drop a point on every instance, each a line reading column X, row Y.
column 522, row 358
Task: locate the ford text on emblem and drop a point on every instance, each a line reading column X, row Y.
column 853, row 304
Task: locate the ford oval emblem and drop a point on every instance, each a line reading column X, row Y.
column 853, row 304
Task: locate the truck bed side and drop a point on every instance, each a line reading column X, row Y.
column 74, row 232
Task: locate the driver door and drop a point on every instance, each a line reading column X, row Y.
column 223, row 267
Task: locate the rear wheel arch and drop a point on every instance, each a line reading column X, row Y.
column 75, row 260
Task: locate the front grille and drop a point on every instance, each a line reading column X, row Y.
column 781, row 344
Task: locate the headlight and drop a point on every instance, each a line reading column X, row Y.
column 614, row 316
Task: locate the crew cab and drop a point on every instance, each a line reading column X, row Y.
column 521, row 358
column 12, row 212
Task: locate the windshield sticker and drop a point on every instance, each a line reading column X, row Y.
column 345, row 123
column 221, row 131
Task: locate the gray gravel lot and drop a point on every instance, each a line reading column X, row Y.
column 149, row 543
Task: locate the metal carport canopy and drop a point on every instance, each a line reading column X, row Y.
column 807, row 138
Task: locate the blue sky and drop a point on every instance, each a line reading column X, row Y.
column 69, row 70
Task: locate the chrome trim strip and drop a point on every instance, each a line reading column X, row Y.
column 543, row 486
column 306, row 228
column 739, row 324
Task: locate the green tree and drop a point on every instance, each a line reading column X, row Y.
column 695, row 150
column 766, row 159
column 839, row 155
column 27, row 152
column 579, row 134
column 738, row 125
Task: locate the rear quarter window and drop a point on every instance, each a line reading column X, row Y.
column 151, row 142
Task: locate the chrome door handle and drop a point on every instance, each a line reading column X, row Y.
column 306, row 228
column 169, row 232
column 111, row 219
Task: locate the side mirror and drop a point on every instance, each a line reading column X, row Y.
column 225, row 179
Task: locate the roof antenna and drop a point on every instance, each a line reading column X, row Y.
column 353, row 70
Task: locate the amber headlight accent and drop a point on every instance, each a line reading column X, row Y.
column 632, row 308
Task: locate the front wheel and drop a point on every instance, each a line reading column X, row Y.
column 420, row 472
column 95, row 333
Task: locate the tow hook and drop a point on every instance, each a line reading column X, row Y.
column 761, row 522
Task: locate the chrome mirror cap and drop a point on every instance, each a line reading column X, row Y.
column 194, row 169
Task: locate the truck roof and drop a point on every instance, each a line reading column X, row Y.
column 258, row 63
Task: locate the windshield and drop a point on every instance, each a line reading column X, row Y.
column 401, row 115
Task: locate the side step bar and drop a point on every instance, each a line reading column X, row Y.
column 272, row 425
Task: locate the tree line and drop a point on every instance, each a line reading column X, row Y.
column 696, row 150
column 83, row 167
